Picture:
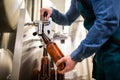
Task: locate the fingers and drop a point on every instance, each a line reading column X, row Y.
column 60, row 61
column 70, row 64
column 43, row 10
column 48, row 16
column 66, row 69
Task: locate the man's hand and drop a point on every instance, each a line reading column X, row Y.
column 70, row 64
column 48, row 11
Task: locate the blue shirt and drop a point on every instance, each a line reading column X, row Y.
column 102, row 20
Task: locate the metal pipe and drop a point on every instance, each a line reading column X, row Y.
column 32, row 10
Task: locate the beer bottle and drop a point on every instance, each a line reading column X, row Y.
column 35, row 71
column 52, row 70
column 45, row 66
column 53, row 50
column 60, row 76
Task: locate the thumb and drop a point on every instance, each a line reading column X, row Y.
column 60, row 61
column 48, row 16
column 62, row 71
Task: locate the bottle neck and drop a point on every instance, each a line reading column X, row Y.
column 51, row 64
column 45, row 52
column 45, row 38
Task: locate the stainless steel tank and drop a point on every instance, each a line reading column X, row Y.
column 6, row 58
column 9, row 14
column 31, row 53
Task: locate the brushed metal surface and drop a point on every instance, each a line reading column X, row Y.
column 9, row 14
column 6, row 58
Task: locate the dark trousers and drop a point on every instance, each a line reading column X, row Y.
column 106, row 62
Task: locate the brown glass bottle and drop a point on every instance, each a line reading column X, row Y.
column 60, row 76
column 45, row 67
column 35, row 71
column 52, row 70
column 53, row 50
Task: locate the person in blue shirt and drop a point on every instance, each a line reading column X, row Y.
column 102, row 20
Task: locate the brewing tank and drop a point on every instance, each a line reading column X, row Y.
column 6, row 58
column 9, row 14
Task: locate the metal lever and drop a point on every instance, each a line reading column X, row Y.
column 45, row 15
column 45, row 22
column 41, row 24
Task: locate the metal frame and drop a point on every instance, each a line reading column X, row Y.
column 18, row 46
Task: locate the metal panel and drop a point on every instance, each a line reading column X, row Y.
column 18, row 47
column 9, row 14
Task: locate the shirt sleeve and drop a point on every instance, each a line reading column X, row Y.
column 70, row 16
column 107, row 21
